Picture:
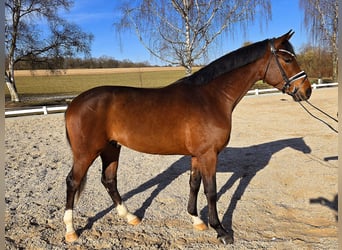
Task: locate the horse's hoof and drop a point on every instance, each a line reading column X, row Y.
column 134, row 221
column 226, row 239
column 71, row 237
column 201, row 227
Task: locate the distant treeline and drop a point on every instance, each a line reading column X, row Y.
column 79, row 63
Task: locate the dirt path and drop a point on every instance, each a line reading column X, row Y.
column 277, row 185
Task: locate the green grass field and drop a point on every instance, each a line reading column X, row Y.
column 74, row 84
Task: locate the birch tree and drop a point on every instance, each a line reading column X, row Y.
column 26, row 40
column 180, row 32
column 321, row 17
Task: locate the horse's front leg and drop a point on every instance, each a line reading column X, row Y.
column 195, row 183
column 209, row 183
column 208, row 172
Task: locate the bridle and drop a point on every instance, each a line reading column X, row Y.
column 287, row 81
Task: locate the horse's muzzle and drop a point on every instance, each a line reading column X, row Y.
column 302, row 95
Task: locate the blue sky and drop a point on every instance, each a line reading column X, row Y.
column 97, row 17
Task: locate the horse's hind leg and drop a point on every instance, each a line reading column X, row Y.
column 110, row 161
column 74, row 181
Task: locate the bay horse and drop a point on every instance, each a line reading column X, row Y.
column 192, row 116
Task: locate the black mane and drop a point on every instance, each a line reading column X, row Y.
column 227, row 63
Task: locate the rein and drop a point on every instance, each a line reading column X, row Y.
column 287, row 81
column 324, row 113
column 319, row 119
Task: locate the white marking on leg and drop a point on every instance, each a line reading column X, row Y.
column 68, row 221
column 124, row 213
column 196, row 220
column 122, row 210
column 198, row 224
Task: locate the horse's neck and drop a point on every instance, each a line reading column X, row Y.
column 236, row 83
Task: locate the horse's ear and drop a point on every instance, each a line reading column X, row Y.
column 283, row 38
column 289, row 34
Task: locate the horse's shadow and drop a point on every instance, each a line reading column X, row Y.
column 244, row 163
column 333, row 204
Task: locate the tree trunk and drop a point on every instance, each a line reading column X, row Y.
column 335, row 42
column 10, row 83
column 188, row 70
column 188, row 49
column 335, row 66
column 9, row 75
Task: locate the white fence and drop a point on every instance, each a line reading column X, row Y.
column 274, row 90
column 56, row 109
column 36, row 111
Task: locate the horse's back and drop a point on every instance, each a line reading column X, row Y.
column 137, row 118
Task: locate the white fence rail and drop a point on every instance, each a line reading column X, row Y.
column 37, row 110
column 55, row 109
column 274, row 90
column 324, row 85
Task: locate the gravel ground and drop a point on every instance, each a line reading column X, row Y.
column 277, row 185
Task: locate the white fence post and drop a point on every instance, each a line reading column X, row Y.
column 45, row 110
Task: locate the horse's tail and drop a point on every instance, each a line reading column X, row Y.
column 84, row 180
column 66, row 129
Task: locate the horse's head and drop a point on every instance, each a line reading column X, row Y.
column 282, row 70
column 298, row 144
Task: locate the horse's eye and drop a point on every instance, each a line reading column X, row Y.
column 288, row 59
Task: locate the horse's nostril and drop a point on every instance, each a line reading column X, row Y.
column 308, row 93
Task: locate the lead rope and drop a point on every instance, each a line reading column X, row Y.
column 317, row 118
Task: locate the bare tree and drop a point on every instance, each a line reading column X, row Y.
column 321, row 17
column 179, row 32
column 316, row 61
column 26, row 42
